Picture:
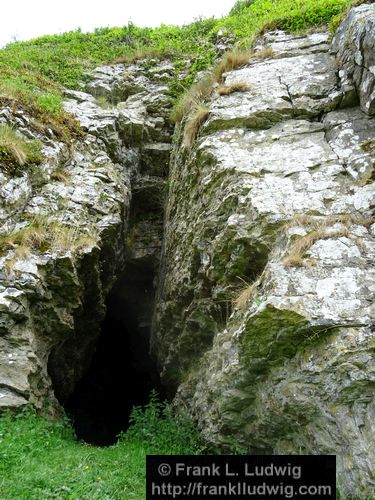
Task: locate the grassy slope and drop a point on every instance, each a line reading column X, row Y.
column 32, row 73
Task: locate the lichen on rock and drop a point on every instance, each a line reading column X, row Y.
column 270, row 226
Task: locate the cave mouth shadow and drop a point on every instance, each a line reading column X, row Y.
column 121, row 374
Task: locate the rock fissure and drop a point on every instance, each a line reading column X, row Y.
column 236, row 276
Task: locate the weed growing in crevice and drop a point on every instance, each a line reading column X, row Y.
column 43, row 234
column 233, row 87
column 16, row 153
column 319, row 229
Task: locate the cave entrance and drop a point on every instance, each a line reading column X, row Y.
column 121, row 373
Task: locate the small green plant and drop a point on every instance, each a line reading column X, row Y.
column 163, row 429
column 103, row 102
column 15, row 152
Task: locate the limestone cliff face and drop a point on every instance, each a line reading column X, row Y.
column 96, row 198
column 264, row 318
column 263, row 322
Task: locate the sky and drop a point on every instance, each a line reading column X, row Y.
column 25, row 19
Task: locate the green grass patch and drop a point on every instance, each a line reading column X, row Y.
column 40, row 459
column 33, row 73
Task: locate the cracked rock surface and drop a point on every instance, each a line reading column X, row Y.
column 52, row 300
column 264, row 320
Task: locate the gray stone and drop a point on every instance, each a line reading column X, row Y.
column 354, row 47
column 264, row 314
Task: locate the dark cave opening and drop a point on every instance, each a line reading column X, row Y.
column 121, row 373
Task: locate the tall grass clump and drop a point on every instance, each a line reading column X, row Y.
column 42, row 234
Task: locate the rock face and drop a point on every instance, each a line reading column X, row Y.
column 263, row 323
column 264, row 316
column 354, row 46
column 90, row 199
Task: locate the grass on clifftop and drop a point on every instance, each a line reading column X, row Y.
column 40, row 459
column 33, row 73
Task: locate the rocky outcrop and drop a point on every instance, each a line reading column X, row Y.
column 263, row 323
column 354, row 46
column 94, row 203
column 264, row 319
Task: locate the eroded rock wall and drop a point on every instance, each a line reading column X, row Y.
column 52, row 300
column 264, row 318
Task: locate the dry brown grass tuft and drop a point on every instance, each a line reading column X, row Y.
column 368, row 146
column 43, row 235
column 193, row 124
column 295, row 257
column 13, row 144
column 265, row 53
column 59, row 175
column 368, row 178
column 241, row 301
column 192, row 98
column 234, row 87
column 319, row 222
column 231, row 60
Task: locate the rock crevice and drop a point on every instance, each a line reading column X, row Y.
column 257, row 275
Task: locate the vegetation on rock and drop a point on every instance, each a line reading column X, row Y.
column 34, row 73
column 42, row 234
column 15, row 152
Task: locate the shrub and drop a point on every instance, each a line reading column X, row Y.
column 162, row 429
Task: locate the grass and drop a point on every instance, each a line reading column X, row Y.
column 233, row 87
column 42, row 235
column 32, row 74
column 242, row 299
column 15, row 152
column 60, row 175
column 368, row 146
column 103, row 102
column 40, row 459
column 231, row 60
column 192, row 98
column 265, row 53
column 193, row 124
column 368, row 178
column 319, row 230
